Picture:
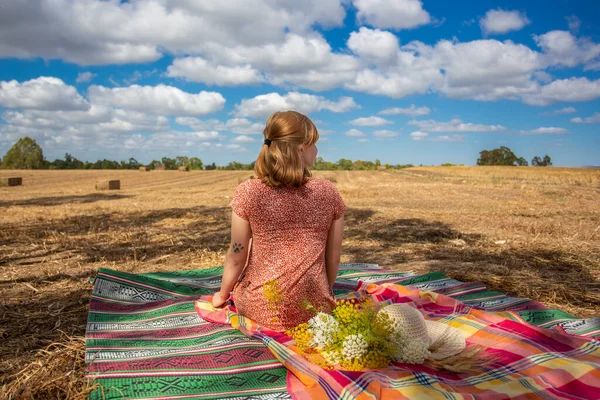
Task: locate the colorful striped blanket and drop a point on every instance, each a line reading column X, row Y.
column 145, row 339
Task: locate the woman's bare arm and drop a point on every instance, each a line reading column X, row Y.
column 236, row 258
column 333, row 249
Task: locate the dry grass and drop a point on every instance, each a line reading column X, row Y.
column 527, row 232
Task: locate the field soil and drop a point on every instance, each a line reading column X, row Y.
column 525, row 231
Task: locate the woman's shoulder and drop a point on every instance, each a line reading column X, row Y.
column 322, row 185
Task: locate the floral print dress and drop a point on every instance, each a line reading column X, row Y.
column 289, row 235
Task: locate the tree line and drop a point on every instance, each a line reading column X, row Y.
column 27, row 154
column 505, row 156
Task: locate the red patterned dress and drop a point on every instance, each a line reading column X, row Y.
column 289, row 234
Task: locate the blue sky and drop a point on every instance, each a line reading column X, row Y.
column 404, row 81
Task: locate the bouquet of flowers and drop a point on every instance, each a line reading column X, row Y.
column 357, row 335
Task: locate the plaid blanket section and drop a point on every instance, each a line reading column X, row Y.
column 145, row 339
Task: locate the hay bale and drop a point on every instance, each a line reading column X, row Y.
column 15, row 181
column 382, row 168
column 144, row 169
column 108, row 185
column 186, row 168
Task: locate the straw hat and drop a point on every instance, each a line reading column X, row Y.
column 441, row 339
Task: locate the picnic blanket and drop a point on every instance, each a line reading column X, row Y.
column 145, row 339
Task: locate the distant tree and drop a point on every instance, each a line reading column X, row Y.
column 195, row 163
column 169, row 163
column 501, row 156
column 25, row 154
column 154, row 164
column 133, row 164
column 541, row 162
column 521, row 162
column 345, row 164
column 182, row 161
column 377, row 163
column 209, row 167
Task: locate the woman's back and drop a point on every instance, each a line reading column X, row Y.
column 289, row 234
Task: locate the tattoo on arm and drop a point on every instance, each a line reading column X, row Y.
column 237, row 247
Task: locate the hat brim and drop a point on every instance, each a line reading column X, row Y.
column 453, row 340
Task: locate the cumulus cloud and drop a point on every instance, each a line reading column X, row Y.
column 500, row 21
column 370, row 121
column 264, row 105
column 380, row 47
column 354, row 133
column 450, row 139
column 95, row 32
column 561, row 48
column 304, row 60
column 43, row 93
column 594, row 119
column 83, row 77
column 418, row 136
column 198, row 69
column 236, row 125
column 564, row 90
column 455, row 125
column 161, row 99
column 545, row 131
column 562, row 111
column 393, row 14
column 385, row 133
column 244, row 139
column 486, row 70
column 412, row 111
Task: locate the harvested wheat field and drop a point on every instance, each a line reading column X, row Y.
column 528, row 232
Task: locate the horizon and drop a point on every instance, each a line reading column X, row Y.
column 405, row 82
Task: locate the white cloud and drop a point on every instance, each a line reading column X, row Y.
column 412, row 111
column 354, row 133
column 43, row 93
column 564, row 90
column 385, row 133
column 486, row 70
column 455, row 125
column 244, row 139
column 264, row 105
column 85, row 77
column 370, row 121
column 243, row 126
column 566, row 110
column 102, row 32
column 418, row 136
column 198, row 69
column 394, row 14
column 97, row 119
column 303, row 60
column 561, row 48
column 362, row 140
column 449, row 139
column 574, row 23
column 380, row 47
column 594, row 119
column 500, row 21
column 545, row 131
column 236, row 148
column 236, row 125
column 161, row 99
